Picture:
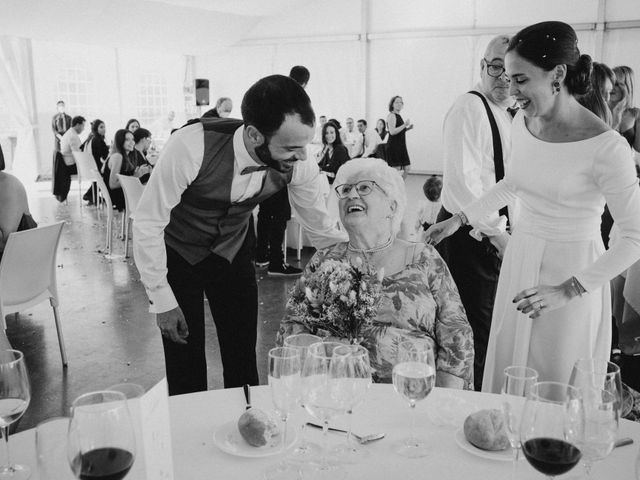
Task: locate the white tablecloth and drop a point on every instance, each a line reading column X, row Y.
column 194, row 418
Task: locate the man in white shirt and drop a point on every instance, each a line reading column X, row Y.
column 70, row 141
column 193, row 228
column 367, row 141
column 471, row 159
column 349, row 135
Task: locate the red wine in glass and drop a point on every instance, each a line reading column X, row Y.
column 551, row 456
column 103, row 464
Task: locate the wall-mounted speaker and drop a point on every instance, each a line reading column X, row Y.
column 202, row 91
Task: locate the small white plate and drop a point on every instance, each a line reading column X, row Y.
column 228, row 439
column 463, row 443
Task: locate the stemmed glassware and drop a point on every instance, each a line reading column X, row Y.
column 15, row 395
column 414, row 376
column 353, row 371
column 324, row 398
column 598, row 373
column 284, row 383
column 600, row 427
column 552, row 427
column 518, row 382
column 101, row 439
column 302, row 341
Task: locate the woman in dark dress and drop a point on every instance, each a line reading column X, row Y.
column 397, row 155
column 96, row 144
column 119, row 161
column 334, row 154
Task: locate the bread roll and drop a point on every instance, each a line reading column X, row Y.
column 257, row 428
column 486, row 430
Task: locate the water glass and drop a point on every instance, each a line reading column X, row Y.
column 598, row 373
column 352, row 369
column 324, row 398
column 51, row 449
column 304, row 450
column 601, row 426
column 518, row 382
column 414, row 376
column 15, row 395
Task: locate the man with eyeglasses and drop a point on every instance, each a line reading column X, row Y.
column 476, row 150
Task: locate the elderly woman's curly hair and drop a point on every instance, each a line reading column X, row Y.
column 388, row 178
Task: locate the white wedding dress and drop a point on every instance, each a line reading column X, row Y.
column 562, row 188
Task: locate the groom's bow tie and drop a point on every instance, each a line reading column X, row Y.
column 248, row 170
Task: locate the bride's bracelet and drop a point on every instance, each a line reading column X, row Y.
column 577, row 287
column 462, row 217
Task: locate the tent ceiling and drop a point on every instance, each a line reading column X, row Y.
column 180, row 26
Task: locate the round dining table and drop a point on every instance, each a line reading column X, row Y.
column 438, row 420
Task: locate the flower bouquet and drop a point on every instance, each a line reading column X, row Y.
column 338, row 298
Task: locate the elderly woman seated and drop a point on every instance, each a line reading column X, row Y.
column 419, row 300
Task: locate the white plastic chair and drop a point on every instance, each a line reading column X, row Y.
column 86, row 164
column 84, row 170
column 28, row 274
column 132, row 188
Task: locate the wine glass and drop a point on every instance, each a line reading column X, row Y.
column 101, row 439
column 518, row 382
column 598, row 373
column 284, row 383
column 15, row 395
column 323, row 399
column 600, row 427
column 352, row 369
column 552, row 427
column 414, row 376
column 302, row 341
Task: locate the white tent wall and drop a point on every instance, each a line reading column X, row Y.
column 427, row 51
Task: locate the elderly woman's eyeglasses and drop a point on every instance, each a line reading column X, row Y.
column 494, row 70
column 363, row 187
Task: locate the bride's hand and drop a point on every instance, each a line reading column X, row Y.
column 544, row 298
column 441, row 230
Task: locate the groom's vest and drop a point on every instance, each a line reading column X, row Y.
column 205, row 221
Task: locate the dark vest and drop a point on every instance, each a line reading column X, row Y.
column 205, row 221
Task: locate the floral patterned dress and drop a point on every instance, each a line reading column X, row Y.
column 420, row 303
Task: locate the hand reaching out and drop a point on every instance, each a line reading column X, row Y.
column 544, row 298
column 441, row 230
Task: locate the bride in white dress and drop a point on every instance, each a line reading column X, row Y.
column 553, row 303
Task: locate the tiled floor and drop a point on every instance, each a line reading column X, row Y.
column 110, row 336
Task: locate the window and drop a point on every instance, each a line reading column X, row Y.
column 75, row 87
column 152, row 97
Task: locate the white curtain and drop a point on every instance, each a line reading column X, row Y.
column 17, row 95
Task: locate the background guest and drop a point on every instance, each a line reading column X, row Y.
column 349, row 136
column 119, row 161
column 60, row 123
column 223, row 108
column 429, row 206
column 419, row 299
column 397, row 155
column 333, row 154
column 96, row 144
column 300, row 74
column 381, row 128
column 368, row 140
column 65, row 164
column 597, row 98
column 142, row 139
column 625, row 115
column 132, row 125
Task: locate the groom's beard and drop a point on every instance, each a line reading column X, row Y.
column 265, row 157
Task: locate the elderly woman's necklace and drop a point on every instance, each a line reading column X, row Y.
column 377, row 248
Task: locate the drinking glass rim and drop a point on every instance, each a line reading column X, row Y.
column 19, row 357
column 289, row 352
column 122, row 398
column 591, row 361
column 300, row 335
column 311, row 349
column 359, row 350
column 533, row 395
column 533, row 371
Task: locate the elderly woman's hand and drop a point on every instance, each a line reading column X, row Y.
column 544, row 298
column 441, row 230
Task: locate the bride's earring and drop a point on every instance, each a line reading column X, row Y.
column 556, row 87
